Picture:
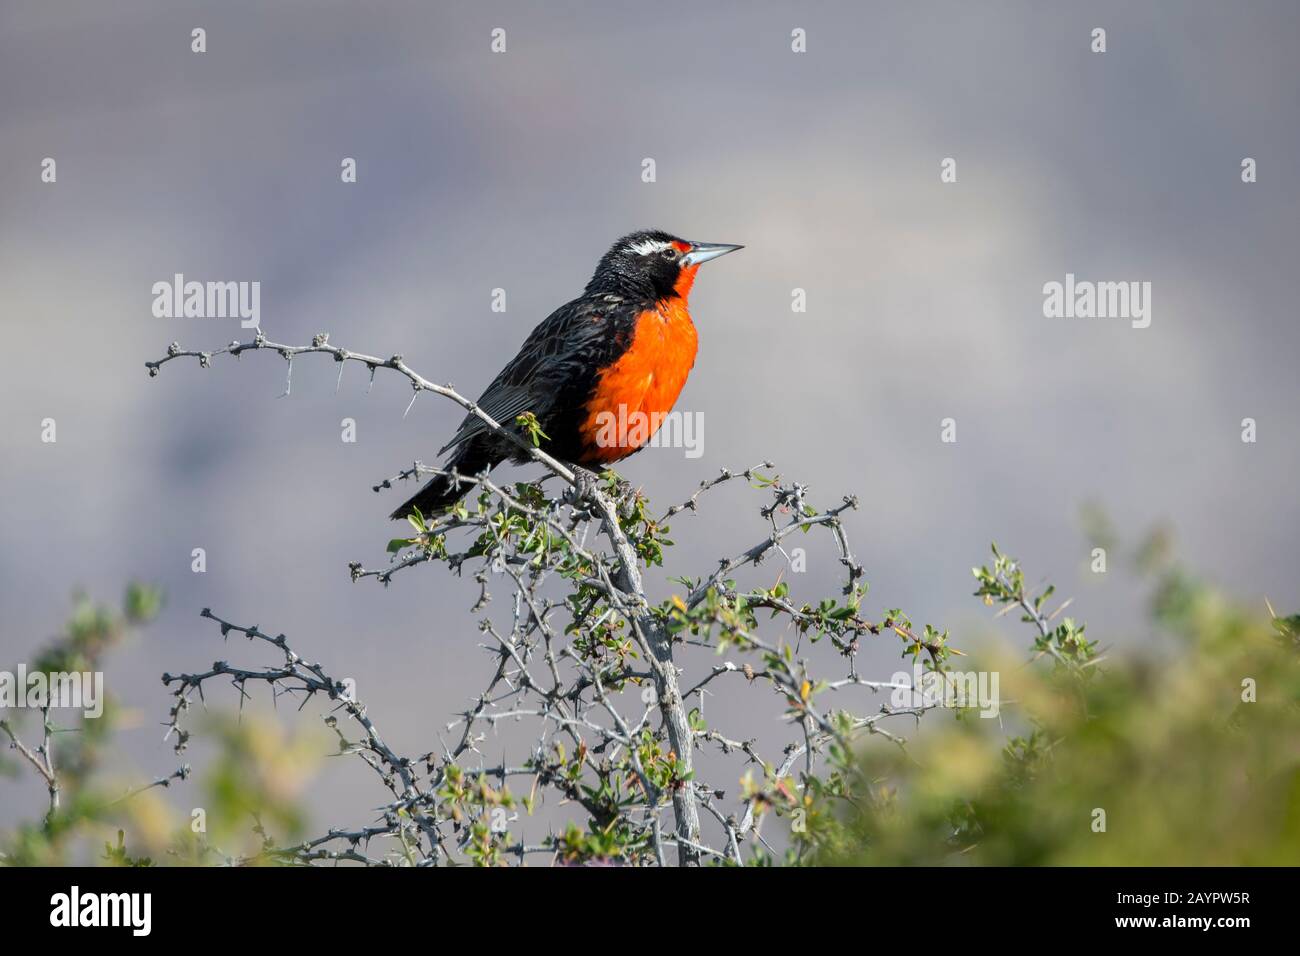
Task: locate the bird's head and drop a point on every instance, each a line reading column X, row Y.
column 653, row 264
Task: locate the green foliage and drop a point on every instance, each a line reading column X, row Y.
column 1191, row 746
column 116, row 855
column 77, row 744
column 1189, row 766
column 102, row 818
column 531, row 427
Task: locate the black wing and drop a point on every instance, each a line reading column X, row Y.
column 562, row 355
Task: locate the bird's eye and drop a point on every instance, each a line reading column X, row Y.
column 670, row 253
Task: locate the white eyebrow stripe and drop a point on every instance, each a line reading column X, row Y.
column 647, row 246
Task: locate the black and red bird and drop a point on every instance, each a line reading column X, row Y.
column 623, row 347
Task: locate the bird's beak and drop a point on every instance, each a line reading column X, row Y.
column 704, row 251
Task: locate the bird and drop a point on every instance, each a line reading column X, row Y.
column 624, row 347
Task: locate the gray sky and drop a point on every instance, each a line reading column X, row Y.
column 477, row 171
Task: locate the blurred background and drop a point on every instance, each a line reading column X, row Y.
column 479, row 171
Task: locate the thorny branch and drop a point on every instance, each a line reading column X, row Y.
column 42, row 758
column 588, row 659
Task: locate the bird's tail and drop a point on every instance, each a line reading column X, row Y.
column 443, row 491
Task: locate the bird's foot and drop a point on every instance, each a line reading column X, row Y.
column 585, row 483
